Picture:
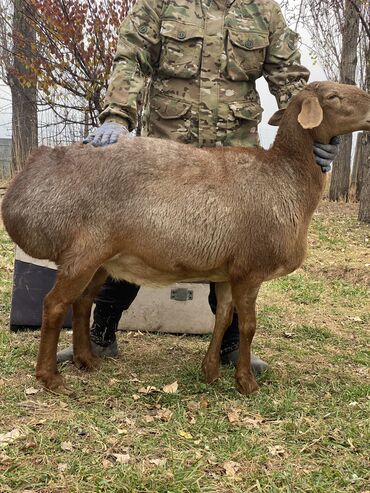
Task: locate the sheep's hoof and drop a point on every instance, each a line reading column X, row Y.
column 87, row 362
column 51, row 381
column 246, row 383
column 210, row 370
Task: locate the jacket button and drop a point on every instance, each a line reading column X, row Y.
column 143, row 29
column 249, row 44
column 181, row 35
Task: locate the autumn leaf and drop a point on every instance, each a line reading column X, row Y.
column 185, row 434
column 66, row 446
column 31, row 391
column 276, row 450
column 122, row 458
column 158, row 462
column 233, row 416
column 171, row 388
column 204, row 404
column 231, row 469
column 193, row 406
column 10, row 437
column 164, row 414
column 62, row 467
column 147, row 390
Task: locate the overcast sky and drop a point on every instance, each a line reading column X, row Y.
column 268, row 101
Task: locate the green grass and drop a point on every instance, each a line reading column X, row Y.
column 305, row 430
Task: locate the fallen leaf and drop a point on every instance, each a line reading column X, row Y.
column 4, row 459
column 62, row 467
column 147, row 390
column 106, row 463
column 10, row 437
column 233, row 415
column 253, row 420
column 122, row 458
column 122, row 431
column 230, row 468
column 193, row 406
column 113, row 381
column 276, row 450
column 171, row 388
column 289, row 335
column 136, row 397
column 148, row 418
column 31, row 391
column 185, row 434
column 158, row 462
column 135, row 380
column 164, row 414
column 66, row 446
column 203, row 403
column 129, row 421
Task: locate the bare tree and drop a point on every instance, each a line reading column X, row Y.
column 340, row 181
column 18, row 36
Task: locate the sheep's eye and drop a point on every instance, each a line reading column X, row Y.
column 334, row 96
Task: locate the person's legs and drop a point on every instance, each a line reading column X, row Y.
column 113, row 298
column 230, row 342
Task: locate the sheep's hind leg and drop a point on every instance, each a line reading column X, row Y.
column 82, row 354
column 224, row 314
column 66, row 290
column 244, row 296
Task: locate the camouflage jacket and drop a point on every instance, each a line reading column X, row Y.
column 202, row 58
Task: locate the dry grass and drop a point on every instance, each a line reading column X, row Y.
column 306, row 430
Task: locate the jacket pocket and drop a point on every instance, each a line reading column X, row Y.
column 248, row 110
column 169, row 109
column 246, row 53
column 244, row 131
column 171, row 119
column 181, row 49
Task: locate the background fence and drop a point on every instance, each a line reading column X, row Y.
column 5, row 157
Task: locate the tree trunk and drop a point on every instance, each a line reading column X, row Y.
column 364, row 210
column 23, row 88
column 339, row 186
column 355, row 173
column 362, row 154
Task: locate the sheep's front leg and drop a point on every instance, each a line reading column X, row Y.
column 82, row 354
column 244, row 297
column 224, row 314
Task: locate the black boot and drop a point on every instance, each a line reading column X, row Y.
column 103, row 333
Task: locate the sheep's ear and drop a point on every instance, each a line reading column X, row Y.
column 311, row 114
column 276, row 118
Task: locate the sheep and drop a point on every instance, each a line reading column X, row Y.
column 154, row 212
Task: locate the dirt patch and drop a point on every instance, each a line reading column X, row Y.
column 353, row 275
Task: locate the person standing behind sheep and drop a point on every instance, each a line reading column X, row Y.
column 201, row 59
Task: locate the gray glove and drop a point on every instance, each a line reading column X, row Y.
column 107, row 134
column 326, row 153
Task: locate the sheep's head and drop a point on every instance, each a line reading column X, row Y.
column 328, row 109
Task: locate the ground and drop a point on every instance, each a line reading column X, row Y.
column 121, row 430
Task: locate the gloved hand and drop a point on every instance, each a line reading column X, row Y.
column 106, row 134
column 326, row 153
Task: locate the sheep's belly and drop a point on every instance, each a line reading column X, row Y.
column 134, row 270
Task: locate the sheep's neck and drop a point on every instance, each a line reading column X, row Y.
column 294, row 140
column 296, row 143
